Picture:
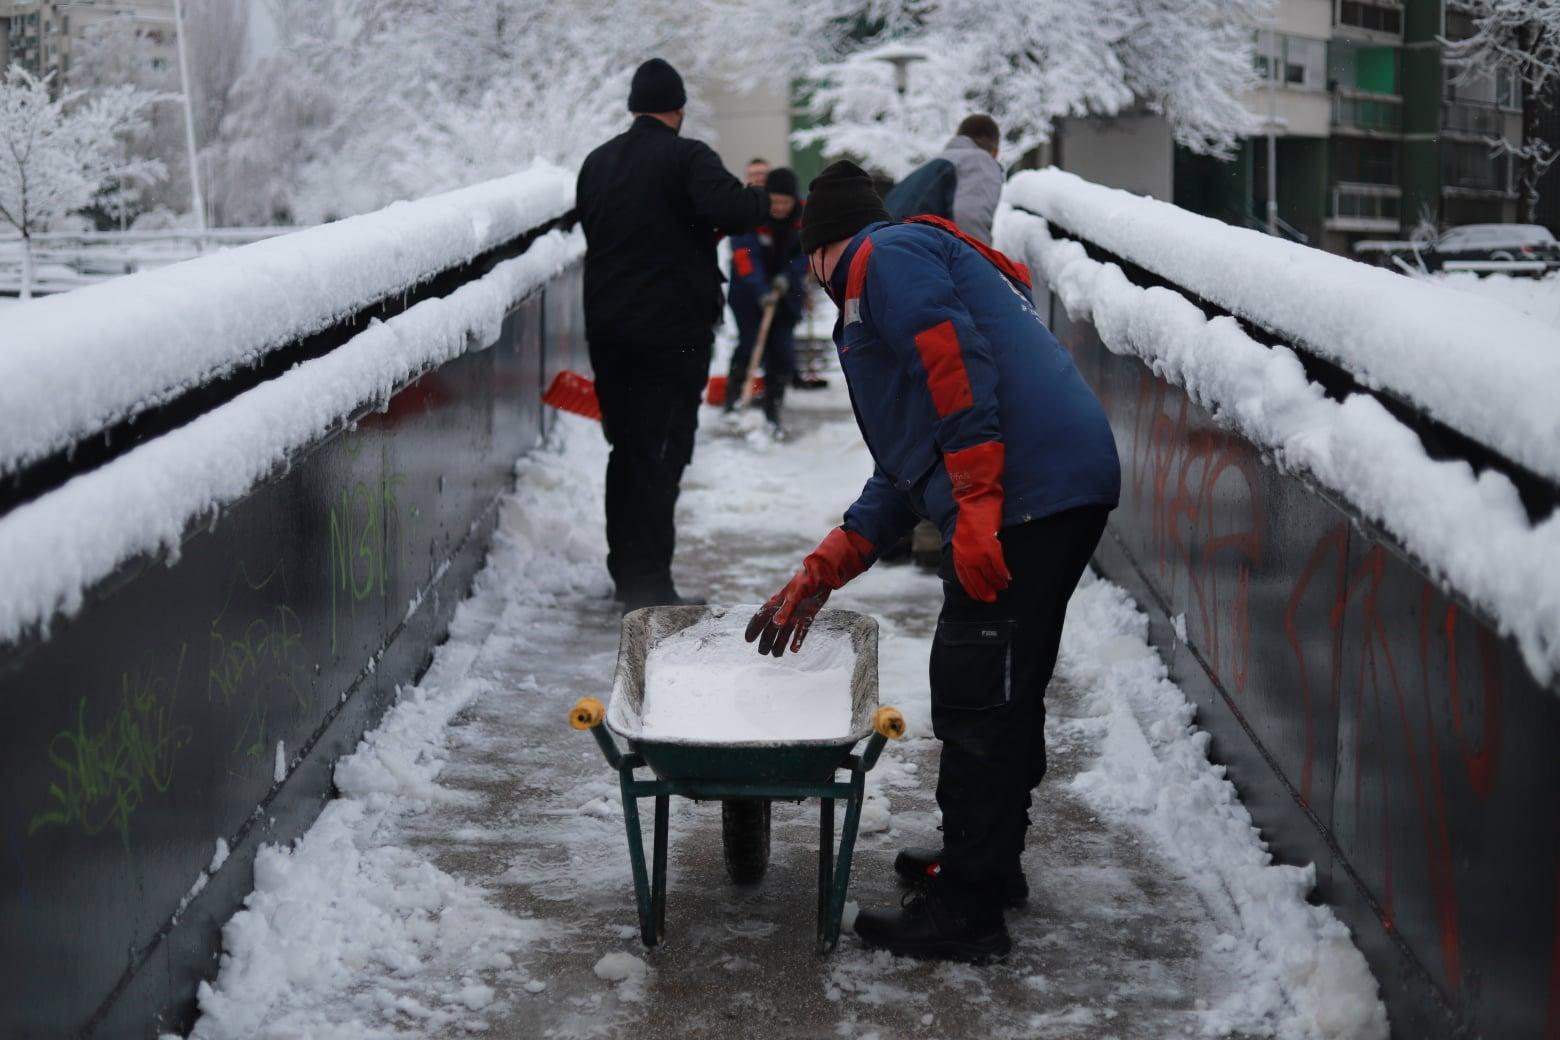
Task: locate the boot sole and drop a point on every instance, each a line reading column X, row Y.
column 963, row 953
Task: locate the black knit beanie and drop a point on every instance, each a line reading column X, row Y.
column 840, row 202
column 656, row 88
column 781, row 181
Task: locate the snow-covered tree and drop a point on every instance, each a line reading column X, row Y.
column 1524, row 37
column 59, row 155
column 117, row 52
column 1030, row 62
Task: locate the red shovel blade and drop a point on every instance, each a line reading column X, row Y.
column 572, row 392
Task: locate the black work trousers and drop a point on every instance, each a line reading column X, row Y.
column 990, row 666
column 649, row 397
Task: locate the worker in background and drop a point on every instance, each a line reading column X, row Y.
column 652, row 205
column 962, row 184
column 977, row 421
column 768, row 269
column 757, row 172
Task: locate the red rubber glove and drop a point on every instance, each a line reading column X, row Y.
column 839, row 557
column 977, row 488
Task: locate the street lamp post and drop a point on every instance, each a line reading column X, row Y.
column 901, row 58
column 1272, row 134
column 197, row 198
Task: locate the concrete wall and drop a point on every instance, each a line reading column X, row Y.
column 750, row 124
column 1135, row 152
column 1377, row 727
column 149, row 725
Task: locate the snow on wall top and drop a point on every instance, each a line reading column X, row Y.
column 69, row 364
column 1481, row 368
column 58, row 546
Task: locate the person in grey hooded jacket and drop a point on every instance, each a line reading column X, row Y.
column 962, row 184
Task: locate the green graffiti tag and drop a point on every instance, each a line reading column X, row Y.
column 366, row 546
column 106, row 773
column 255, row 657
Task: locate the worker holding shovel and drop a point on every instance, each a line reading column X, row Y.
column 768, row 293
column 978, row 421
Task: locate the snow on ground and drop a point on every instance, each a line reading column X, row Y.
column 473, row 877
column 73, row 362
column 1470, row 530
column 1537, row 297
column 55, row 547
column 1481, row 367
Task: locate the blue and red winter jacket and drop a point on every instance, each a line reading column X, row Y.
column 754, row 262
column 942, row 350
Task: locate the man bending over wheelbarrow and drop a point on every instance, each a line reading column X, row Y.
column 978, row 421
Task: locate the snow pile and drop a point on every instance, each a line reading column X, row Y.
column 353, row 931
column 1537, row 297
column 70, row 364
column 54, row 548
column 1480, row 367
column 1296, row 964
column 1469, row 530
column 706, row 683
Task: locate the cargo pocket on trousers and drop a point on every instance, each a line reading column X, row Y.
column 972, row 665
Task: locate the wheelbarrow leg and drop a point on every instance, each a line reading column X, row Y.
column 842, row 869
column 825, row 870
column 636, row 860
column 658, row 887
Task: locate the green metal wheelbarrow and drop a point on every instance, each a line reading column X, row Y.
column 745, row 777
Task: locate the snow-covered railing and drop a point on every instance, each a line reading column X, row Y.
column 1480, row 370
column 57, row 544
column 89, row 363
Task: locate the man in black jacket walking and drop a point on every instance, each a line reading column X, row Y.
column 653, row 205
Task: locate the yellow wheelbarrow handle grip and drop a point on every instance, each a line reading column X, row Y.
column 889, row 722
column 587, row 714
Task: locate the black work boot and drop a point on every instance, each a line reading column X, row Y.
column 935, row 924
column 920, row 865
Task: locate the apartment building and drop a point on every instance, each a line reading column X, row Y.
column 41, row 35
column 1376, row 128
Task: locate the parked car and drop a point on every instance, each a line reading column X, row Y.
column 1499, row 243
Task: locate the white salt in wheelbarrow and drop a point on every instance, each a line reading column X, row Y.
column 744, row 776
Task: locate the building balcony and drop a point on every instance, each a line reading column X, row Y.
column 1365, row 207
column 1463, row 117
column 1363, row 112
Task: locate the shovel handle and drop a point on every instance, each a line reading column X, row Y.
column 750, row 377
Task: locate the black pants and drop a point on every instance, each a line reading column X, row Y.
column 990, row 666
column 649, row 400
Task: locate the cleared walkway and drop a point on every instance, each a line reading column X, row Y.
column 516, row 820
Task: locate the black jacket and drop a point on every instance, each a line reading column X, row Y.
column 653, row 205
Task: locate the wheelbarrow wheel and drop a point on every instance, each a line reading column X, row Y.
column 744, row 832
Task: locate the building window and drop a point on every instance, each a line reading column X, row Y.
column 1371, row 69
column 1298, row 62
column 1374, row 17
column 1459, row 24
column 1472, row 166
column 1365, row 160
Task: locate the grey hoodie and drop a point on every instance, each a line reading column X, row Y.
column 977, row 189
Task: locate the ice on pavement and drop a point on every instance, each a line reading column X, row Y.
column 57, row 546
column 1469, row 529
column 72, row 362
column 1482, row 368
column 473, row 877
column 705, row 683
